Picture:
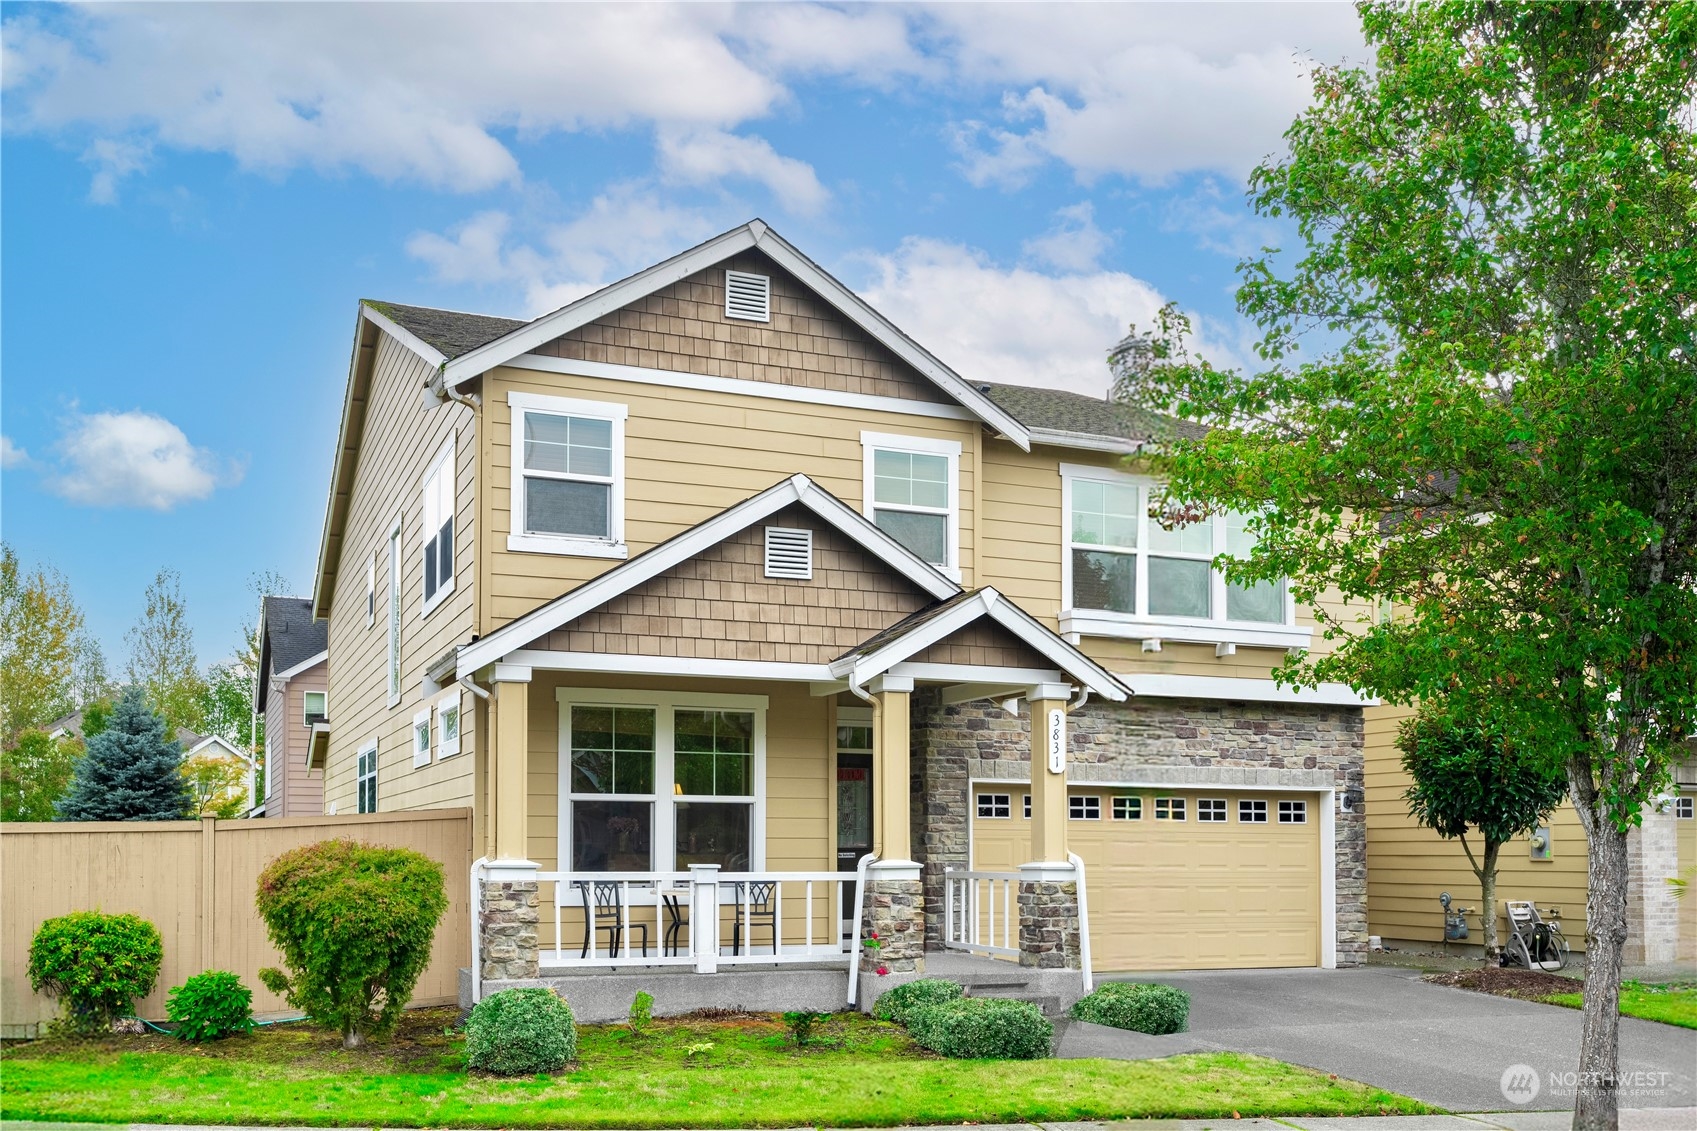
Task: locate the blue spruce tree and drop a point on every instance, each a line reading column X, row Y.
column 131, row 771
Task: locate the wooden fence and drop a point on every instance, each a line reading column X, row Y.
column 195, row 881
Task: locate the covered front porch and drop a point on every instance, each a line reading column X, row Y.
column 737, row 798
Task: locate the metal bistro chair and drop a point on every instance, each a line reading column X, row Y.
column 677, row 919
column 761, row 913
column 606, row 899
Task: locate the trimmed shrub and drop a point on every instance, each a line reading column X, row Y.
column 521, row 1033
column 210, row 1006
column 982, row 1028
column 354, row 923
column 895, row 1005
column 1142, row 1007
column 96, row 965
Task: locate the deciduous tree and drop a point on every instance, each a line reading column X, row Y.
column 41, row 636
column 34, row 774
column 1497, row 428
column 162, row 658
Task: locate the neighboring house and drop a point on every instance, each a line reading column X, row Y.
column 1408, row 866
column 717, row 566
column 290, row 691
column 195, row 746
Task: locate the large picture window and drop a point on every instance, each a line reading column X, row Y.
column 657, row 782
column 1122, row 566
column 912, row 486
column 568, row 476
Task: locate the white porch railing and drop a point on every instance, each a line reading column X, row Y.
column 981, row 911
column 701, row 919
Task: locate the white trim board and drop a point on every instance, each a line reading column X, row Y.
column 309, row 662
column 613, row 663
column 1161, row 686
column 402, row 335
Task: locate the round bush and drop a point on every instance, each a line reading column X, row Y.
column 96, row 965
column 521, row 1033
column 895, row 1005
column 982, row 1028
column 210, row 1006
column 1139, row 1006
column 354, row 923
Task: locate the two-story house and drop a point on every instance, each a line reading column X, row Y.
column 291, row 689
column 718, row 568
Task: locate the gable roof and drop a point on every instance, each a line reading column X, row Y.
column 795, row 490
column 289, row 638
column 451, row 333
column 1075, row 420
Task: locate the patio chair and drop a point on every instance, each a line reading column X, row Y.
column 677, row 918
column 606, row 898
column 762, row 912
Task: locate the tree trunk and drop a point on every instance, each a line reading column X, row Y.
column 352, row 1039
column 1597, row 1102
column 1488, row 902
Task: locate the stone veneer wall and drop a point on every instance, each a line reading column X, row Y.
column 893, row 913
column 1205, row 742
column 508, row 924
column 1048, row 925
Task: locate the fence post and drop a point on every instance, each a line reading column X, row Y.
column 704, row 917
column 208, row 891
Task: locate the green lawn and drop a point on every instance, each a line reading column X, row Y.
column 860, row 1072
column 1673, row 1003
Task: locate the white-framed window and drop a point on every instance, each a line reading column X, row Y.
column 1120, row 567
column 421, row 738
column 371, row 590
column 448, row 725
column 314, row 707
column 568, row 476
column 1027, row 806
column 1683, row 808
column 437, row 532
column 662, row 780
column 1251, row 812
column 1084, row 808
column 1293, row 812
column 998, row 805
column 365, row 778
column 393, row 664
column 1169, row 808
column 912, row 493
column 1128, row 808
column 1211, row 810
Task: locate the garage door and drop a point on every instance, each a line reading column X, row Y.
column 1180, row 880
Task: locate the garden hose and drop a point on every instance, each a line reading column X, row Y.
column 168, row 1032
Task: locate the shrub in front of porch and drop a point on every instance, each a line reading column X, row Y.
column 895, row 1005
column 982, row 1028
column 1142, row 1007
column 520, row 1033
column 354, row 923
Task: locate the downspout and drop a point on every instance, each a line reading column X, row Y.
column 476, row 902
column 440, row 386
column 1083, row 922
column 1083, row 698
column 859, row 691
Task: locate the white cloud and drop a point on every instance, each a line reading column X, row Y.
column 134, row 459
column 113, row 160
column 1202, row 213
column 1019, row 325
column 11, row 455
column 1074, row 244
column 708, row 156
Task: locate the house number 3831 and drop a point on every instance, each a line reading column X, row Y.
column 1057, row 742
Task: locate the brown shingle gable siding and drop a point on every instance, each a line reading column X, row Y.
column 720, row 605
column 984, row 643
column 683, row 328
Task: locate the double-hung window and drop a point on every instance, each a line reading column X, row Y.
column 1126, row 575
column 912, row 493
column 394, row 614
column 567, row 476
column 313, row 709
column 658, row 781
column 365, row 778
column 438, row 529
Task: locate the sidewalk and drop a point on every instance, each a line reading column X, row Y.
column 1638, row 1119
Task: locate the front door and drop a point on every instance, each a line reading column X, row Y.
column 854, row 822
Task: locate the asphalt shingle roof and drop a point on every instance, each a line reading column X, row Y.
column 452, row 332
column 291, row 635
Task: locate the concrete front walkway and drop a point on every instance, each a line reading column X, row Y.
column 1384, row 1026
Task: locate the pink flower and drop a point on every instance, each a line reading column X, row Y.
column 882, row 970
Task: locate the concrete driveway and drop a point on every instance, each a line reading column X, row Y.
column 1449, row 1047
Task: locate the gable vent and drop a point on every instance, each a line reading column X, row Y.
column 748, row 297
column 789, row 553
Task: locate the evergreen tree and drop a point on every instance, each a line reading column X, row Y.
column 131, row 772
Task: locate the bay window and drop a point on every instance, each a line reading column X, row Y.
column 567, row 476
column 660, row 781
column 912, row 493
column 1125, row 575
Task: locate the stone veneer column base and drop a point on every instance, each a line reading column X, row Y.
column 1048, row 925
column 508, row 924
column 1652, row 913
column 895, row 912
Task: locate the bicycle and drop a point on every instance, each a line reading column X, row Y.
column 1534, row 942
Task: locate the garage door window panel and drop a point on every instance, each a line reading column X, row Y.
column 1211, row 810
column 994, row 806
column 1169, row 808
column 1293, row 812
column 1251, row 812
column 1128, row 808
column 1084, row 808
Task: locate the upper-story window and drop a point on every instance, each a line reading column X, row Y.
column 394, row 614
column 568, row 476
column 912, row 492
column 1120, row 566
column 312, row 707
column 438, row 529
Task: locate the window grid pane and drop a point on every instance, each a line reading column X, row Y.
column 926, row 535
column 1252, row 812
column 1084, row 808
column 714, row 753
column 1128, row 808
column 612, row 750
column 1211, row 810
column 1293, row 812
column 1169, row 808
column 1104, row 514
column 1180, row 587
column 994, row 805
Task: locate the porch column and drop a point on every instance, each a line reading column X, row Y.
column 507, row 925
column 1048, row 887
column 894, row 907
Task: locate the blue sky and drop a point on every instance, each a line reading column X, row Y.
column 195, row 197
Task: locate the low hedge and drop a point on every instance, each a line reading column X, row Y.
column 982, row 1028
column 521, row 1032
column 1142, row 1007
column 895, row 1005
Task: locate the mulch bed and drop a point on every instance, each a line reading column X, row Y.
column 1506, row 981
